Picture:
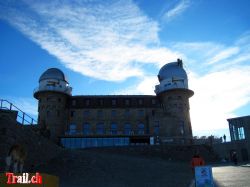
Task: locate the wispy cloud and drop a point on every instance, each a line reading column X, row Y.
column 219, row 76
column 217, row 96
column 175, row 11
column 220, row 87
column 224, row 55
column 107, row 40
column 145, row 86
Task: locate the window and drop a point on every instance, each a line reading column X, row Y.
column 87, row 102
column 101, row 102
column 153, row 101
column 156, row 127
column 181, row 127
column 86, row 113
column 153, row 112
column 127, row 113
column 99, row 113
column 127, row 129
column 100, row 128
column 72, row 129
column 73, row 102
column 232, row 131
column 113, row 113
column 113, row 102
column 86, row 129
column 127, row 102
column 241, row 133
column 141, row 128
column 113, row 129
column 140, row 113
column 94, row 142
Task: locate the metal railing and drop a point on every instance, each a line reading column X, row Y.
column 22, row 117
column 66, row 90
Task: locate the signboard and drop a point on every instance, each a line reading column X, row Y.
column 21, row 180
column 151, row 140
column 203, row 176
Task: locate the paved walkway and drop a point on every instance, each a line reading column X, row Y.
column 232, row 176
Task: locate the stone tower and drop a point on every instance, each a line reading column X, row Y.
column 52, row 95
column 174, row 95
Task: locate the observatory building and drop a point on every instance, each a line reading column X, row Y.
column 112, row 120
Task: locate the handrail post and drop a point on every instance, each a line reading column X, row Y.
column 23, row 118
column 10, row 106
column 31, row 121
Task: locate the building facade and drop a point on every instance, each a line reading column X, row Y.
column 107, row 120
column 239, row 128
column 240, row 135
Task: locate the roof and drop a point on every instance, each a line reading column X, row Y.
column 113, row 96
column 238, row 118
column 173, row 69
column 53, row 73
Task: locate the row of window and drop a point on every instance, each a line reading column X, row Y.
column 94, row 142
column 100, row 113
column 237, row 133
column 114, row 102
column 176, row 97
column 51, row 98
column 100, row 129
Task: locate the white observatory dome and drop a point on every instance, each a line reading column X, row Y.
column 173, row 69
column 53, row 73
column 54, row 80
column 172, row 76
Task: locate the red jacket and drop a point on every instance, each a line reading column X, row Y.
column 197, row 161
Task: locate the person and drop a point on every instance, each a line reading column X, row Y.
column 225, row 138
column 234, row 158
column 197, row 160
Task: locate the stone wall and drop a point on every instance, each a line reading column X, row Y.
column 225, row 150
column 176, row 103
column 12, row 114
column 39, row 148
